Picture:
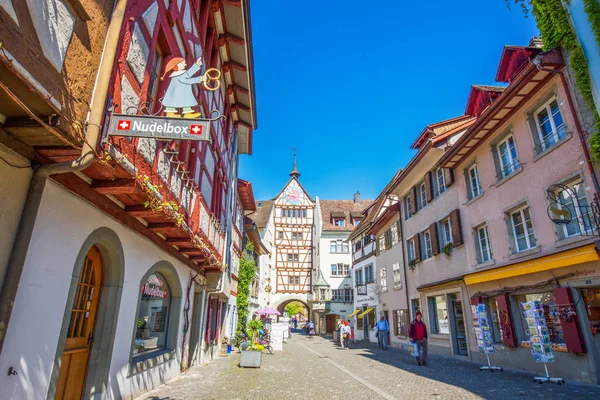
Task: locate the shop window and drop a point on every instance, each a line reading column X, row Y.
column 494, row 318
column 551, row 314
column 438, row 314
column 592, row 305
column 153, row 315
column 401, row 322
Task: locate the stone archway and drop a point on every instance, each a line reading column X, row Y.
column 280, row 306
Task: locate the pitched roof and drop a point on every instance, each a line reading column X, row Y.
column 262, row 214
column 480, row 97
column 246, row 195
column 346, row 209
column 439, row 128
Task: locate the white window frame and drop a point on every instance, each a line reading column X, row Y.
column 440, row 180
column 299, row 235
column 334, row 270
column 446, row 235
column 521, row 212
column 423, row 195
column 383, row 280
column 483, row 229
column 428, row 251
column 507, row 170
column 333, row 246
column 475, row 171
column 410, row 249
column 408, row 206
column 397, row 274
column 339, row 222
column 381, row 243
column 359, row 272
column 576, row 206
column 394, row 233
column 556, row 131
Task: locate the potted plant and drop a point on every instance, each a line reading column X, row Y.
column 412, row 264
column 141, row 324
column 447, row 249
column 138, row 346
column 252, row 355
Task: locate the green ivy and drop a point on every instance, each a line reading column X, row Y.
column 554, row 24
column 246, row 274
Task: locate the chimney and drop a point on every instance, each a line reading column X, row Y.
column 536, row 42
column 357, row 197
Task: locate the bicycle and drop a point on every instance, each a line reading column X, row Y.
column 266, row 343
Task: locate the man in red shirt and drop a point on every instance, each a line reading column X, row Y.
column 418, row 334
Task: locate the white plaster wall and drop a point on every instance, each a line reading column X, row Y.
column 33, row 333
column 13, row 200
column 371, row 299
column 326, row 258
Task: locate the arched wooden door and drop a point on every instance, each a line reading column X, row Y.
column 81, row 329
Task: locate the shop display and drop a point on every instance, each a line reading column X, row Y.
column 483, row 335
column 539, row 337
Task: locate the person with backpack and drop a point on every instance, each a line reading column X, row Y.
column 345, row 335
column 417, row 332
column 381, row 330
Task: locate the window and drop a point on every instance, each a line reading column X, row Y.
column 283, row 213
column 439, row 182
column 304, row 213
column 401, row 322
column 296, row 257
column 358, row 276
column 482, row 244
column 294, row 280
column 369, row 278
column 289, row 213
column 422, row 197
column 342, row 295
column 474, row 186
column 339, row 246
column 299, row 235
column 407, row 207
column 340, row 269
column 332, row 246
column 522, row 230
column 549, row 124
column 394, row 233
column 356, row 222
column 294, row 213
column 551, row 314
column 381, row 243
column 446, row 232
column 339, row 222
column 397, row 275
column 334, row 270
column 438, row 311
column 507, row 157
column 494, row 317
column 153, row 314
column 426, row 244
column 573, row 200
column 383, row 280
column 280, row 235
column 290, row 257
column 410, row 249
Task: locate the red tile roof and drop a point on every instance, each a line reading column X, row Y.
column 262, row 214
column 342, row 209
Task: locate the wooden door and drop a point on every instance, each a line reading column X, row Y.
column 81, row 328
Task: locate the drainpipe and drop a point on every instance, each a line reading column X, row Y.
column 40, row 177
column 403, row 256
column 537, row 61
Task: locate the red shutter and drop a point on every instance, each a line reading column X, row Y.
column 571, row 328
column 417, row 242
column 476, row 300
column 413, row 205
column 428, row 187
column 505, row 321
column 449, row 176
column 435, row 244
column 457, row 238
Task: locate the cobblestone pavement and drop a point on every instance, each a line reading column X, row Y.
column 315, row 368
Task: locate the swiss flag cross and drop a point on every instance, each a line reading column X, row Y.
column 123, row 125
column 196, row 129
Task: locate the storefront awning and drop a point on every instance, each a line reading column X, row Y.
column 368, row 310
column 562, row 259
column 354, row 313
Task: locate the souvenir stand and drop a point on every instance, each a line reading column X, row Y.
column 539, row 338
column 483, row 334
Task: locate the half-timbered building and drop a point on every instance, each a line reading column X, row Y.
column 124, row 265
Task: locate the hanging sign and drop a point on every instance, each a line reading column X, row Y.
column 155, row 127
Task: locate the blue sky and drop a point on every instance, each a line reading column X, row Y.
column 351, row 87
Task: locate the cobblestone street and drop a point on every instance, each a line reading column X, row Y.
column 315, row 368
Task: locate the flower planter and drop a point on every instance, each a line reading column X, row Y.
column 250, row 359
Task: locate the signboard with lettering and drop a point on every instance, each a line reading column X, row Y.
column 155, row 127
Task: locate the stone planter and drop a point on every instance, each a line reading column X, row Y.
column 250, row 359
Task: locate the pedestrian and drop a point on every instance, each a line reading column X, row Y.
column 382, row 328
column 295, row 323
column 345, row 335
column 417, row 332
column 311, row 328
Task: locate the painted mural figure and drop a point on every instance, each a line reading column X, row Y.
column 179, row 93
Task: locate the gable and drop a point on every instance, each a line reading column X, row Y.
column 293, row 194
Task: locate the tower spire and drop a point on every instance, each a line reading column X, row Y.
column 295, row 173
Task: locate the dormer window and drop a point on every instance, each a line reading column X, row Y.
column 339, row 222
column 356, row 222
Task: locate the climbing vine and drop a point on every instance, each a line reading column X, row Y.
column 555, row 27
column 185, row 356
column 246, row 274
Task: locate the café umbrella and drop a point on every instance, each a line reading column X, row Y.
column 267, row 311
